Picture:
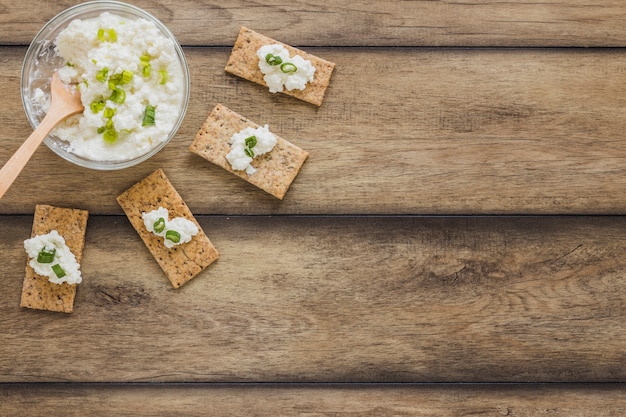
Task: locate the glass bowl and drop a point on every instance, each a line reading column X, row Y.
column 41, row 61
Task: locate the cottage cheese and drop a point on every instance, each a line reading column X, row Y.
column 63, row 257
column 185, row 228
column 242, row 153
column 277, row 78
column 110, row 45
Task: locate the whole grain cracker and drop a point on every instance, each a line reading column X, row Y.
column 243, row 62
column 275, row 170
column 37, row 291
column 182, row 262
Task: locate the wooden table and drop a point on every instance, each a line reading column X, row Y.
column 454, row 245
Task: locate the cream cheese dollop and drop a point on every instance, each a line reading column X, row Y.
column 281, row 75
column 184, row 228
column 63, row 258
column 247, row 144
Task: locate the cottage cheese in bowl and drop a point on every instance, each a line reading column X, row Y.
column 132, row 76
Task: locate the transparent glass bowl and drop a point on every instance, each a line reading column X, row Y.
column 41, row 61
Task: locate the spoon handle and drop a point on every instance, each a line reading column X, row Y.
column 14, row 165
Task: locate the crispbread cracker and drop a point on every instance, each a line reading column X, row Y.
column 275, row 170
column 243, row 62
column 182, row 262
column 37, row 291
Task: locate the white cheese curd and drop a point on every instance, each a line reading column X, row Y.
column 63, row 258
column 184, row 228
column 242, row 146
column 279, row 76
column 98, row 50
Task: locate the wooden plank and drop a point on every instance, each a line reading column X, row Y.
column 588, row 400
column 362, row 22
column 430, row 131
column 334, row 299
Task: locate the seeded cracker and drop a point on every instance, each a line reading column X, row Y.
column 244, row 63
column 276, row 169
column 37, row 292
column 180, row 263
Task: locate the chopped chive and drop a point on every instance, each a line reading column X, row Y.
column 273, row 59
column 249, row 152
column 172, row 235
column 112, row 35
column 288, row 67
column 159, row 225
column 144, row 59
column 46, row 256
column 59, row 272
column 149, row 116
column 101, row 129
column 109, row 125
column 101, row 35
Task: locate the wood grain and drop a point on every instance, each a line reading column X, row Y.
column 364, row 23
column 335, row 299
column 556, row 400
column 463, row 131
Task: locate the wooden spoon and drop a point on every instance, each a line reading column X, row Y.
column 64, row 102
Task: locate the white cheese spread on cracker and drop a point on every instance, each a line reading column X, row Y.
column 174, row 232
column 131, row 84
column 50, row 257
column 282, row 71
column 247, row 144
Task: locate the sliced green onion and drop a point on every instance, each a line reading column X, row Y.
column 273, row 59
column 108, row 35
column 163, row 76
column 250, row 141
column 97, row 106
column 145, row 71
column 45, row 256
column 127, row 76
column 109, row 125
column 102, row 74
column 59, row 272
column 118, row 96
column 145, row 59
column 288, row 67
column 109, row 112
column 119, row 79
column 149, row 116
column 101, row 129
column 110, row 135
column 159, row 225
column 172, row 235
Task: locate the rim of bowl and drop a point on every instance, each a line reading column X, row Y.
column 42, row 39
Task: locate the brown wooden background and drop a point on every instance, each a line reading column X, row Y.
column 453, row 246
